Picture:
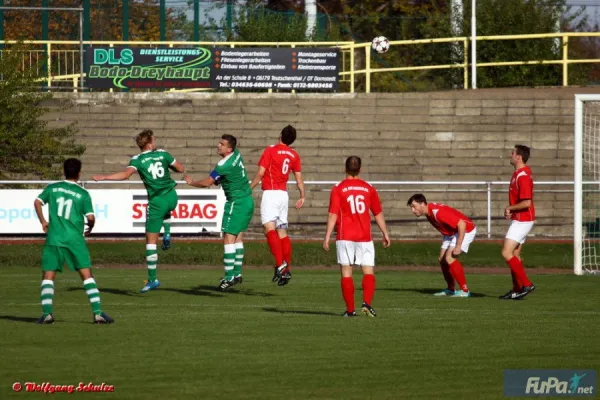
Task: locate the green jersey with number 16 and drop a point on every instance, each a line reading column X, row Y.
column 68, row 203
column 231, row 174
column 153, row 167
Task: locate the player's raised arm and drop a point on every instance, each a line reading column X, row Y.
column 300, row 186
column 119, row 176
column 257, row 178
column 204, row 183
column 177, row 166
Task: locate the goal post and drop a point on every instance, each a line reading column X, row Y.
column 586, row 230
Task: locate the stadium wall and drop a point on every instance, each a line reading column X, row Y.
column 435, row 136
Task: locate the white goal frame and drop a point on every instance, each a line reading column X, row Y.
column 580, row 99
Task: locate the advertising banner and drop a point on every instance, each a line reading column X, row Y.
column 118, row 211
column 282, row 69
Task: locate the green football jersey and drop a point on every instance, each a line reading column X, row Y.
column 153, row 167
column 68, row 203
column 231, row 174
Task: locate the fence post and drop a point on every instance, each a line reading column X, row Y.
column 352, row 50
column 196, row 20
column 489, row 209
column 565, row 59
column 367, row 69
column 163, row 20
column 125, row 23
column 466, row 61
column 49, row 63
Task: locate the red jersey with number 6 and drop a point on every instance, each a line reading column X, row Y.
column 445, row 219
column 521, row 188
column 351, row 200
column 278, row 161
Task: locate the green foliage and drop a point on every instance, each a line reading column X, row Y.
column 28, row 146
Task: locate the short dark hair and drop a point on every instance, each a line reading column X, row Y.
column 72, row 168
column 231, row 140
column 523, row 151
column 353, row 164
column 418, row 197
column 144, row 137
column 288, row 135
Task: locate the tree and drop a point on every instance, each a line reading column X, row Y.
column 105, row 20
column 28, row 146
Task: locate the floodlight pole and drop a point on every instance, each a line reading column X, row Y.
column 473, row 44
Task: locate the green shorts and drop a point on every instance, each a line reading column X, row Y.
column 237, row 215
column 159, row 209
column 76, row 256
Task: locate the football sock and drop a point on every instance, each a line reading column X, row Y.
column 90, row 287
column 458, row 272
column 167, row 226
column 47, row 296
column 368, row 286
column 516, row 266
column 286, row 249
column 151, row 261
column 515, row 281
column 447, row 275
column 229, row 261
column 275, row 246
column 239, row 259
column 348, row 293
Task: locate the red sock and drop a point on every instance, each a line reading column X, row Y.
column 286, row 249
column 516, row 267
column 458, row 272
column 368, row 286
column 275, row 246
column 447, row 275
column 516, row 284
column 348, row 293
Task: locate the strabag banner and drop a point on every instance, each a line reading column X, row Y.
column 282, row 69
column 118, row 211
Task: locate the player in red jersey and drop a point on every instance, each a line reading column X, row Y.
column 458, row 233
column 522, row 213
column 349, row 205
column 274, row 167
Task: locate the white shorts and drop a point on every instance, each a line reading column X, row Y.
column 519, row 230
column 355, row 253
column 274, row 207
column 450, row 241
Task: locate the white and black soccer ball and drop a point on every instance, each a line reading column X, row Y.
column 380, row 44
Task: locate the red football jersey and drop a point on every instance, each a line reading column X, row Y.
column 521, row 188
column 445, row 219
column 351, row 200
column 278, row 161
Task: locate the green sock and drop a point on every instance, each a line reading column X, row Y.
column 47, row 296
column 151, row 261
column 167, row 226
column 90, row 287
column 229, row 261
column 239, row 259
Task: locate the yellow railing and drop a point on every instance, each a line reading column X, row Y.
column 61, row 56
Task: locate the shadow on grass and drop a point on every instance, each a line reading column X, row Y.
column 195, row 291
column 18, row 319
column 120, row 292
column 302, row 312
column 428, row 291
column 243, row 292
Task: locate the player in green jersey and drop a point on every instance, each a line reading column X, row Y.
column 68, row 203
column 230, row 173
column 153, row 165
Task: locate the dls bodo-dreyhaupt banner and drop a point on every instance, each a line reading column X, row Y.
column 310, row 69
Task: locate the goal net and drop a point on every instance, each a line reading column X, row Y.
column 587, row 185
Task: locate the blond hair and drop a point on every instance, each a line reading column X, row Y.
column 143, row 138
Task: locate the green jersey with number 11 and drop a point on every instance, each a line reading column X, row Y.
column 68, row 203
column 153, row 167
column 231, row 174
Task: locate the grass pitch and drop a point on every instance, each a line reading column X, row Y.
column 186, row 341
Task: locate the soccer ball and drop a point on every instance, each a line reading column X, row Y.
column 380, row 44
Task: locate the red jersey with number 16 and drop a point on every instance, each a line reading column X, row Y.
column 278, row 161
column 445, row 219
column 521, row 188
column 351, row 200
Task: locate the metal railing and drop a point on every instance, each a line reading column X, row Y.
column 479, row 187
column 62, row 65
